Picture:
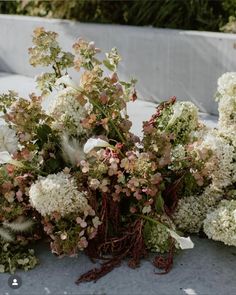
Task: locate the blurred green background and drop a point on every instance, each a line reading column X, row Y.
column 209, row 15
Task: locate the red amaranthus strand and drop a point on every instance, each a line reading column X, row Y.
column 165, row 262
column 130, row 244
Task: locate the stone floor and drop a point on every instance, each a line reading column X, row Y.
column 209, row 268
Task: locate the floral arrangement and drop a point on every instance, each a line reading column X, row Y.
column 74, row 173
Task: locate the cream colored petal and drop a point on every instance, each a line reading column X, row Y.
column 67, row 81
column 93, row 143
column 184, row 243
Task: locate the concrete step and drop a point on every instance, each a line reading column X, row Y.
column 209, row 268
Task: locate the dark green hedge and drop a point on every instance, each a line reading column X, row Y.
column 180, row 14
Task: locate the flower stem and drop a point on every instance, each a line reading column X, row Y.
column 152, row 220
column 57, row 70
column 121, row 137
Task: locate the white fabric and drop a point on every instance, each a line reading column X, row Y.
column 21, row 84
column 165, row 62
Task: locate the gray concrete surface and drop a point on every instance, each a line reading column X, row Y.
column 210, row 268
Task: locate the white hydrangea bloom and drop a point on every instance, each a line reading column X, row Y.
column 8, row 140
column 227, row 84
column 227, row 106
column 68, row 112
column 230, row 137
column 182, row 121
column 178, row 153
column 220, row 225
column 227, row 113
column 58, row 193
column 183, row 110
column 221, row 164
column 191, row 211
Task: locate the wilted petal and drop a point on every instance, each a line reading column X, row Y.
column 93, row 143
column 184, row 243
column 5, row 157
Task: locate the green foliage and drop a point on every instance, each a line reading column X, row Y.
column 189, row 186
column 14, row 257
column 8, row 7
column 43, row 135
column 159, row 205
column 191, row 14
column 53, row 8
column 230, row 27
column 177, row 14
column 229, row 7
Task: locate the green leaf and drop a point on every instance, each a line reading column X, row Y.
column 43, row 133
column 52, row 165
column 147, row 230
column 159, row 206
column 108, row 65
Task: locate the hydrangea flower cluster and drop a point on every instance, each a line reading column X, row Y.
column 220, row 164
column 220, row 222
column 191, row 211
column 178, row 119
column 58, row 193
column 220, row 225
column 226, row 95
column 89, row 183
column 158, row 238
column 220, row 168
column 226, row 85
column 68, row 113
column 183, row 120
